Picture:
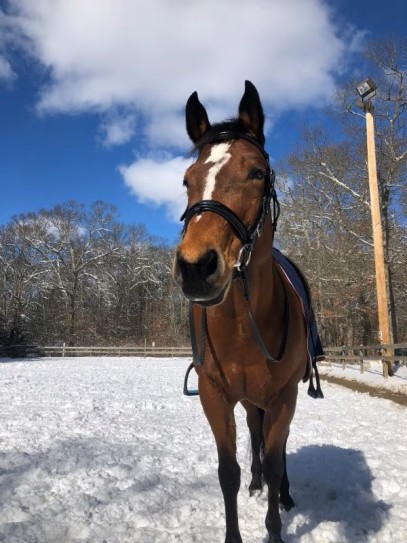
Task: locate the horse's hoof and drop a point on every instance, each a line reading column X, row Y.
column 256, row 492
column 255, row 488
column 287, row 503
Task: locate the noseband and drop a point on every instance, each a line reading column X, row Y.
column 247, row 235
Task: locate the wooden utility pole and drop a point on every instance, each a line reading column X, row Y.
column 381, row 283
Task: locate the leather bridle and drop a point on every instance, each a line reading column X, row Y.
column 247, row 235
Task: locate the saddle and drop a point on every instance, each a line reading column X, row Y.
column 298, row 282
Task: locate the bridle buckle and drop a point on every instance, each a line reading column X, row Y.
column 244, row 257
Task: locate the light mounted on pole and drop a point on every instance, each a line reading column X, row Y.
column 367, row 90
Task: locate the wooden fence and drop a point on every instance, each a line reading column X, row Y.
column 387, row 355
column 17, row 351
column 360, row 354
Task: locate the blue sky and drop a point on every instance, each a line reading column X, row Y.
column 92, row 93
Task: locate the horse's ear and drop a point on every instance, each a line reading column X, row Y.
column 196, row 118
column 251, row 112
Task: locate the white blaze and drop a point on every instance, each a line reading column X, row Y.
column 219, row 157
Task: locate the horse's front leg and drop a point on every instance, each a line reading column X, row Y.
column 276, row 428
column 219, row 413
column 254, row 418
column 286, row 501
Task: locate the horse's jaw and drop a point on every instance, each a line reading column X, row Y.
column 217, row 300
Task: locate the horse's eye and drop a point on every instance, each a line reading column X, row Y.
column 256, row 173
column 185, row 182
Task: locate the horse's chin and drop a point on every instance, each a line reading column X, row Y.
column 216, row 300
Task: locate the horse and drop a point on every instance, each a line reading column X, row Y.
column 242, row 306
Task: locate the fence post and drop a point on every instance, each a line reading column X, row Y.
column 362, row 361
column 145, row 347
column 63, row 349
column 385, row 368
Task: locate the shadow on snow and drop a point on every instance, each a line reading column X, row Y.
column 331, row 484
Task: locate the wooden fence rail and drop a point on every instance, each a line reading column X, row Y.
column 63, row 350
column 364, row 354
column 345, row 355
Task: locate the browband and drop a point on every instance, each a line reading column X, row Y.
column 245, row 234
column 234, row 135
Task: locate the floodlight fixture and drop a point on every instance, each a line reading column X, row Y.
column 366, row 89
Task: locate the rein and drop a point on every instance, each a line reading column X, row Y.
column 248, row 237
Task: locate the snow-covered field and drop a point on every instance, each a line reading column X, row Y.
column 107, row 450
column 372, row 376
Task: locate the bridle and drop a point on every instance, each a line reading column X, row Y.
column 248, row 237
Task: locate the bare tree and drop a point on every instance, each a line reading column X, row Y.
column 334, row 170
column 69, row 243
column 76, row 275
column 333, row 260
column 388, row 61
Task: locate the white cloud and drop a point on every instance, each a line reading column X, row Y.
column 146, row 58
column 117, row 129
column 6, row 72
column 167, row 129
column 7, row 75
column 158, row 181
column 152, row 55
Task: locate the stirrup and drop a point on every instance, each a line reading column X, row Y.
column 193, row 391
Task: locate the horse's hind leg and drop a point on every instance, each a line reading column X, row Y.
column 254, row 418
column 286, row 501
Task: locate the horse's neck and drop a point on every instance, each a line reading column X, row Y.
column 266, row 302
column 262, row 284
column 263, row 287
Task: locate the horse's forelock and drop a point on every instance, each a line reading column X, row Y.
column 231, row 127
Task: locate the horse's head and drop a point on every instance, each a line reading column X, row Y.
column 229, row 190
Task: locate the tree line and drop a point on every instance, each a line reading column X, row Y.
column 76, row 275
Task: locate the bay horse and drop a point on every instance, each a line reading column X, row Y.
column 242, row 306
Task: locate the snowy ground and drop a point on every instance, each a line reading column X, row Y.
column 372, row 376
column 107, row 450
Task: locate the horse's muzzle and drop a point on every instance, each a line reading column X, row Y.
column 201, row 281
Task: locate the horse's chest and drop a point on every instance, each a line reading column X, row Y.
column 244, row 380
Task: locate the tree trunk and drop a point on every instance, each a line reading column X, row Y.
column 72, row 320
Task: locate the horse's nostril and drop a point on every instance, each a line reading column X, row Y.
column 197, row 278
column 209, row 263
column 212, row 263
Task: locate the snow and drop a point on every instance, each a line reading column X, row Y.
column 372, row 375
column 108, row 450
